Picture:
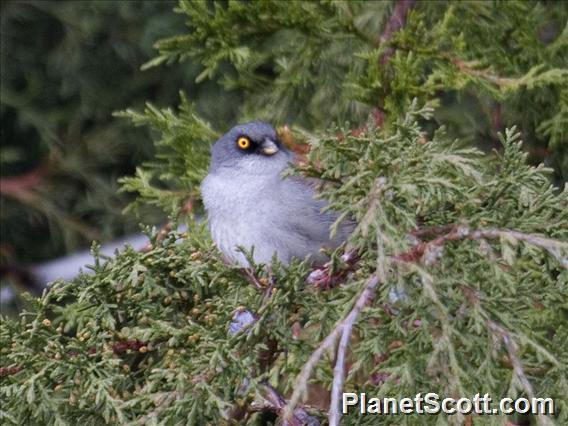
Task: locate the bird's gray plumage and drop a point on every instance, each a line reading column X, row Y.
column 250, row 204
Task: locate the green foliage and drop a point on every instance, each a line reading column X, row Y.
column 282, row 56
column 181, row 159
column 492, row 65
column 464, row 58
column 146, row 337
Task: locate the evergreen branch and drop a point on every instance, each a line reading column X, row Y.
column 395, row 22
column 511, row 347
column 415, row 254
column 116, row 348
column 553, row 247
column 162, row 401
column 444, row 342
column 501, row 82
column 345, row 325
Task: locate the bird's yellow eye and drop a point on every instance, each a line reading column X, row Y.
column 243, row 142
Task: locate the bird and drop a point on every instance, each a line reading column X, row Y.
column 250, row 204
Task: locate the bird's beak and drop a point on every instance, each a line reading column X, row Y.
column 269, row 147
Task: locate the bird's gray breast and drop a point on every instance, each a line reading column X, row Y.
column 271, row 214
column 237, row 214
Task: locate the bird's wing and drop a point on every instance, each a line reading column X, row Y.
column 309, row 222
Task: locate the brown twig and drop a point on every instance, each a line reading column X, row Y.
column 26, row 182
column 500, row 82
column 396, row 21
column 165, row 230
column 432, row 231
column 8, row 371
column 251, row 278
column 417, row 253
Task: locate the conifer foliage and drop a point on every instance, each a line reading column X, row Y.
column 454, row 281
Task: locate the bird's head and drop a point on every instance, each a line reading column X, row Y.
column 252, row 148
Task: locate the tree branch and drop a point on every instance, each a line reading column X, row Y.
column 554, row 247
column 23, row 183
column 346, row 325
column 396, row 21
column 511, row 347
column 343, row 329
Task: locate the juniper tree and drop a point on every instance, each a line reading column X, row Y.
column 454, row 281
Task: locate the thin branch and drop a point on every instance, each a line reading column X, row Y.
column 301, row 381
column 511, row 347
column 23, row 183
column 550, row 245
column 339, row 374
column 249, row 275
column 432, row 231
column 554, row 247
column 500, row 82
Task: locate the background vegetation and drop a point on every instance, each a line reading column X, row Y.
column 66, row 67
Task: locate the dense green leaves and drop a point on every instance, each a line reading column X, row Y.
column 181, row 158
column 146, row 335
column 491, row 64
